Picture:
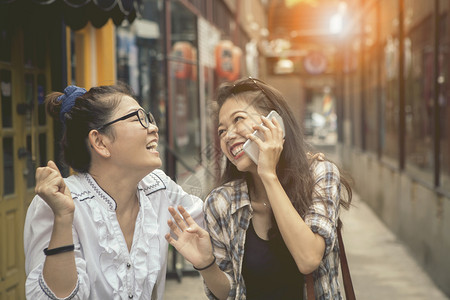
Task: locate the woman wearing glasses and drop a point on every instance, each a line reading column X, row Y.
column 271, row 221
column 99, row 234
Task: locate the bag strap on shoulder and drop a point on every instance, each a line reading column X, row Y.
column 346, row 278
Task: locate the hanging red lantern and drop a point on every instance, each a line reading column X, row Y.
column 182, row 50
column 227, row 60
column 194, row 66
column 237, row 54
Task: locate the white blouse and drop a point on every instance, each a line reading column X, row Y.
column 106, row 269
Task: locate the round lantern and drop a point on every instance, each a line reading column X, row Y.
column 237, row 54
column 182, row 50
column 227, row 60
column 193, row 67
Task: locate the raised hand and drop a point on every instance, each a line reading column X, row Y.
column 270, row 149
column 50, row 186
column 190, row 240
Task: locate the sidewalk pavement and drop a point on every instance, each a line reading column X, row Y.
column 380, row 266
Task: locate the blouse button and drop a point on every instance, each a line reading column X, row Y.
column 128, row 265
column 130, row 296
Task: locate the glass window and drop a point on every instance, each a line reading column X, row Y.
column 141, row 63
column 201, row 5
column 5, row 41
column 34, row 45
column 389, row 136
column 183, row 85
column 371, row 81
column 356, row 113
column 8, row 166
column 444, row 96
column 73, row 57
column 419, row 97
column 6, row 97
column 42, row 149
column 40, row 45
column 29, row 97
column 31, row 164
column 222, row 17
column 41, row 92
column 29, row 43
column 140, row 56
column 212, row 150
column 349, row 67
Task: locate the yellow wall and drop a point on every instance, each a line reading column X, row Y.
column 95, row 56
column 106, row 54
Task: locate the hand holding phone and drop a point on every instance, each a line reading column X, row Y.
column 251, row 148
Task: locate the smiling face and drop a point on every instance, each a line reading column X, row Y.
column 236, row 119
column 133, row 146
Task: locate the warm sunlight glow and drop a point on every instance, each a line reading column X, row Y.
column 336, row 24
column 290, row 3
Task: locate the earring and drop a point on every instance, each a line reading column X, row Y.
column 107, row 153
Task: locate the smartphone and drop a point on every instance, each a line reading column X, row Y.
column 251, row 148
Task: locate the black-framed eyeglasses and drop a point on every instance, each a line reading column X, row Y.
column 144, row 118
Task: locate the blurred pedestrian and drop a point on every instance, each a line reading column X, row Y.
column 271, row 221
column 98, row 234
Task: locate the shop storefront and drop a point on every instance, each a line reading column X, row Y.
column 165, row 50
column 167, row 57
column 39, row 54
column 396, row 105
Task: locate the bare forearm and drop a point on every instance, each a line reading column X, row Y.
column 217, row 281
column 306, row 247
column 60, row 271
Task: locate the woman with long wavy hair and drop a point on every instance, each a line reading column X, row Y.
column 271, row 221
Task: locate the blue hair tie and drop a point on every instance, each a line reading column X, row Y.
column 67, row 99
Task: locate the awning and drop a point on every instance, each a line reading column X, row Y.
column 76, row 13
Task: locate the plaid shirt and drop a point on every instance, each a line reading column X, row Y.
column 228, row 213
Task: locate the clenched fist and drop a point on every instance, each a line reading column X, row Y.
column 50, row 186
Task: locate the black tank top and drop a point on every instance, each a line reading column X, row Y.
column 269, row 270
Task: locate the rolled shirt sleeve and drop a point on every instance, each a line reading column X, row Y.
column 324, row 211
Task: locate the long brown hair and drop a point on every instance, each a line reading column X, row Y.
column 293, row 168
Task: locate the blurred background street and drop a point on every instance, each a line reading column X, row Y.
column 380, row 265
column 367, row 79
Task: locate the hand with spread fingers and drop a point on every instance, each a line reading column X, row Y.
column 190, row 240
column 50, row 186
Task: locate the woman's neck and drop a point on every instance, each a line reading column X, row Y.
column 257, row 192
column 121, row 187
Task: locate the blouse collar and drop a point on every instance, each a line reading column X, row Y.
column 240, row 195
column 106, row 199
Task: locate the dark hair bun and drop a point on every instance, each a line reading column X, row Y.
column 53, row 105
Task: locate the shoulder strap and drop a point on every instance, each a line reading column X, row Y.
column 348, row 286
column 310, row 287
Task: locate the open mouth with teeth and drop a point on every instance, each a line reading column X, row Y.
column 236, row 150
column 152, row 146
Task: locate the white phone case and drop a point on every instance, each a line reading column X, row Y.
column 251, row 148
